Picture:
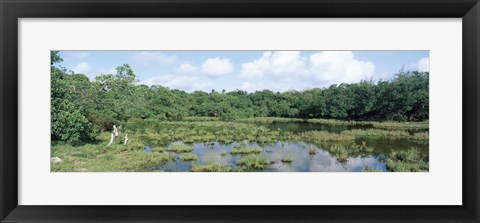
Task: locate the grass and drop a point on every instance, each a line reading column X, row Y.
column 252, row 162
column 270, row 119
column 373, row 124
column 324, row 136
column 100, row 158
column 421, row 137
column 211, row 168
column 410, row 160
column 401, row 125
column 287, row 159
column 343, row 152
column 332, row 122
column 377, row 133
column 312, row 151
column 180, row 148
column 243, row 151
column 367, row 168
column 188, row 157
column 223, row 153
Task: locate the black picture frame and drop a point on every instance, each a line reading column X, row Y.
column 12, row 10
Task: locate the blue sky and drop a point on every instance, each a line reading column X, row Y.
column 248, row 70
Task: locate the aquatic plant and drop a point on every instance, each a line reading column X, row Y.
column 421, row 137
column 223, row 153
column 181, row 148
column 287, row 159
column 215, row 167
column 377, row 133
column 252, row 162
column 236, row 151
column 312, row 151
column 410, row 160
column 401, row 125
column 367, row 168
column 332, row 122
column 323, row 136
column 188, row 157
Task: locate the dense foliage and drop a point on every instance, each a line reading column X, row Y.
column 81, row 106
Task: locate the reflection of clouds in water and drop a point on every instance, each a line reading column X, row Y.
column 207, row 154
column 322, row 161
column 327, row 163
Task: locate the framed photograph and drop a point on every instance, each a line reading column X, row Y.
column 229, row 111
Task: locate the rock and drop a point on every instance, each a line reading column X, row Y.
column 56, row 160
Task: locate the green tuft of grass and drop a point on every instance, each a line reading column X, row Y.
column 188, row 157
column 410, row 160
column 236, row 151
column 211, row 168
column 287, row 159
column 253, row 162
column 312, row 151
column 180, row 148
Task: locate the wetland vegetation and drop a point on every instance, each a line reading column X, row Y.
column 366, row 126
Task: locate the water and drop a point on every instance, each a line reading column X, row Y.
column 321, row 161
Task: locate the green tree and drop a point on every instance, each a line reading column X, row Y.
column 68, row 122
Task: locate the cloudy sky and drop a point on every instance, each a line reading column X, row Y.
column 248, row 70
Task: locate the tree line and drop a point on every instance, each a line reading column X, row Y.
column 80, row 108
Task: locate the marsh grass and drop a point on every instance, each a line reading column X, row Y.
column 252, row 162
column 401, row 125
column 343, row 152
column 377, row 133
column 270, row 119
column 287, row 159
column 367, row 168
column 421, row 137
column 215, row 167
column 188, row 157
column 324, row 136
column 410, row 160
column 244, row 151
column 312, row 151
column 180, row 148
column 332, row 122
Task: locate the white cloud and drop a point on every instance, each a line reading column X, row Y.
column 186, row 68
column 322, row 68
column 328, row 67
column 82, row 68
column 282, row 64
column 111, row 70
column 286, row 63
column 423, row 65
column 256, row 68
column 215, row 67
column 182, row 82
column 147, row 56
